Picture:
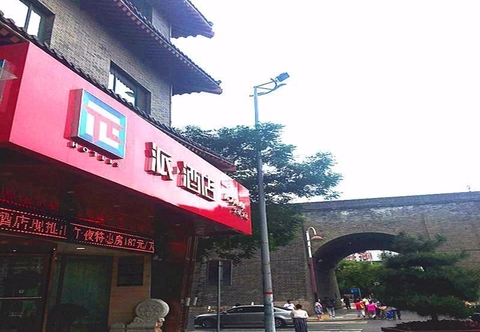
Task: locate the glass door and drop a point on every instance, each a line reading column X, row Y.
column 22, row 292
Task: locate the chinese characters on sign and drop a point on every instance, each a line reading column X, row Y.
column 17, row 221
column 190, row 179
column 230, row 196
column 360, row 256
column 158, row 162
column 108, row 238
column 30, row 223
column 237, row 207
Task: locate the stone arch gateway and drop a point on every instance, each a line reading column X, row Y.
column 370, row 224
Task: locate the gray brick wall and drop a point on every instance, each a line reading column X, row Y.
column 289, row 281
column 90, row 45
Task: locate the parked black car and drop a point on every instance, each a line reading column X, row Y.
column 244, row 316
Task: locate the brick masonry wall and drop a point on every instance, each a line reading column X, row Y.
column 92, row 46
column 341, row 223
column 289, row 281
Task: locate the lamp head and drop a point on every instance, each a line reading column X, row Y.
column 282, row 77
column 316, row 237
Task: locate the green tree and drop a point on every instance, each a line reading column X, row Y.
column 424, row 281
column 285, row 179
column 361, row 275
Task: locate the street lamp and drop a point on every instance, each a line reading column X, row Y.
column 310, row 259
column 260, row 90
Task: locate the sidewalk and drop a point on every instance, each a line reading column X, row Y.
column 343, row 314
column 340, row 314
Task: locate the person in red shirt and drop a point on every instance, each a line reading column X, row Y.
column 360, row 307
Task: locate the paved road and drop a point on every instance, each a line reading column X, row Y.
column 345, row 321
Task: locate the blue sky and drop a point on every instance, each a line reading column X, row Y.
column 391, row 88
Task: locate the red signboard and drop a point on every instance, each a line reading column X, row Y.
column 41, row 112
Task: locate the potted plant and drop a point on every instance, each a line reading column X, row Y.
column 430, row 283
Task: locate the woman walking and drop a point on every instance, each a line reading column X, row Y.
column 318, row 309
column 299, row 318
column 360, row 307
column 371, row 309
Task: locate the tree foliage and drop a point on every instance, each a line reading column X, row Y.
column 285, row 179
column 361, row 275
column 427, row 282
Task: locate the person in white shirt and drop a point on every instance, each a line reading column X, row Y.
column 299, row 317
column 289, row 305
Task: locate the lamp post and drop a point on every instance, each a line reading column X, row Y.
column 310, row 259
column 260, row 90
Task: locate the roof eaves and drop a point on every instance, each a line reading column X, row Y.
column 187, row 20
column 131, row 11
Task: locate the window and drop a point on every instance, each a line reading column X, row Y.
column 130, row 271
column 253, row 309
column 26, row 15
column 125, row 86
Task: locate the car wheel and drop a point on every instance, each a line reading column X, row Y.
column 279, row 322
column 209, row 323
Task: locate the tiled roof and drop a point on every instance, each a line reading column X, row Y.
column 131, row 25
column 186, row 19
column 11, row 34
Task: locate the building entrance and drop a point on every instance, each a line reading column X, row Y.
column 22, row 291
column 80, row 293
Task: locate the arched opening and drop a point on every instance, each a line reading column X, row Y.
column 327, row 257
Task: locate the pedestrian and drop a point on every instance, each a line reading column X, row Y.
column 371, row 308
column 299, row 317
column 390, row 315
column 159, row 324
column 330, row 304
column 318, row 309
column 346, row 301
column 360, row 307
column 365, row 301
column 289, row 305
column 399, row 314
column 381, row 310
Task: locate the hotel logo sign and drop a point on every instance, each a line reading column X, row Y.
column 98, row 126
